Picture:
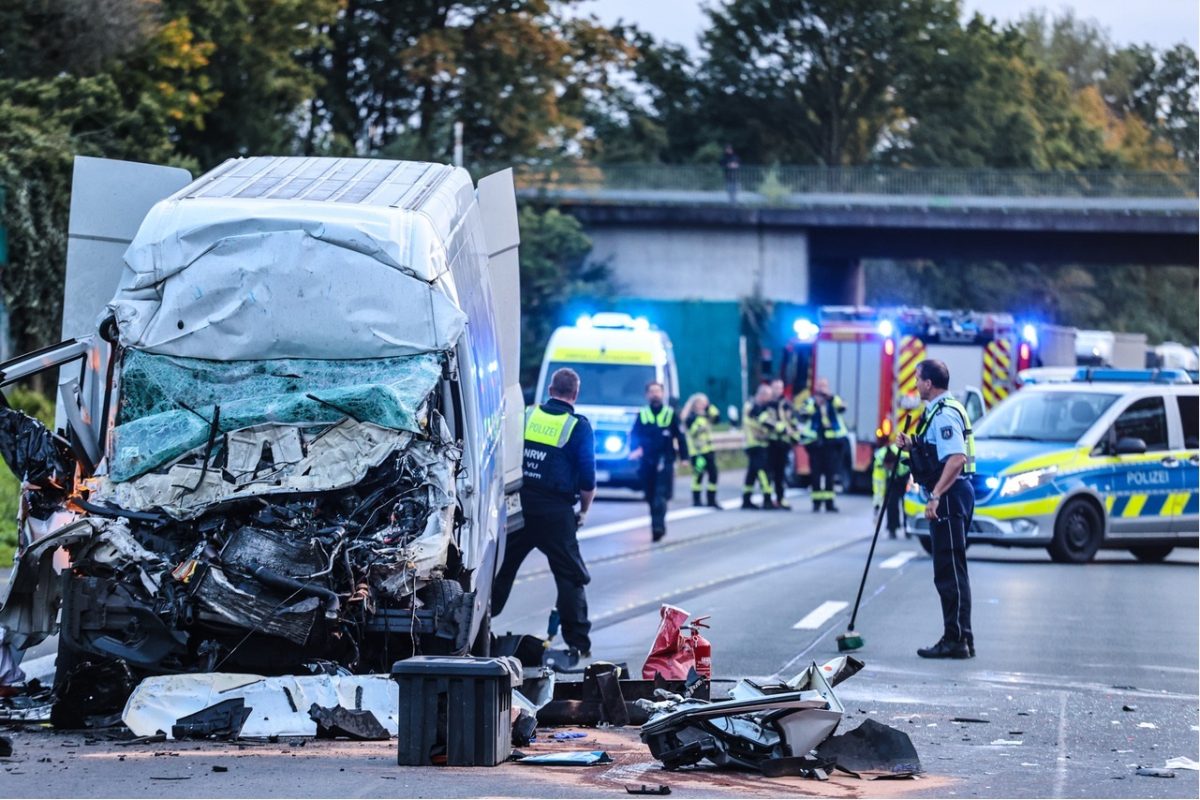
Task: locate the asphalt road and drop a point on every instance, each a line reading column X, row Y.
column 1062, row 649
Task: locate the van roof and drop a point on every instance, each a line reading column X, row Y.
column 570, row 343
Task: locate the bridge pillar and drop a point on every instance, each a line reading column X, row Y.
column 836, row 282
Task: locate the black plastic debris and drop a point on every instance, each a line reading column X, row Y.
column 1154, row 772
column 6, row 748
column 523, row 729
column 970, row 719
column 1128, row 708
column 219, row 768
column 223, row 720
column 872, row 750
column 91, row 693
column 602, row 685
column 643, row 788
column 338, row 722
column 525, row 648
column 34, row 454
column 798, row 767
column 577, row 703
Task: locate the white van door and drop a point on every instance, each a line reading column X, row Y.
column 109, row 200
column 498, row 204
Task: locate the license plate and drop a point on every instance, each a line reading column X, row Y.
column 603, row 476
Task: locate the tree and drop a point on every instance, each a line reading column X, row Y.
column 45, row 38
column 554, row 271
column 810, row 81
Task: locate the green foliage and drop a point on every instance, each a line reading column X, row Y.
column 554, row 271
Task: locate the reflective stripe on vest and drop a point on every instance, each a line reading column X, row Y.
column 549, row 429
column 662, row 420
column 968, row 434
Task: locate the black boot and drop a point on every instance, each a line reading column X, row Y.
column 945, row 648
column 829, row 506
column 748, row 501
column 712, row 500
column 816, row 506
column 696, row 499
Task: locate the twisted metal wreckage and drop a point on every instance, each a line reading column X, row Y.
column 293, row 460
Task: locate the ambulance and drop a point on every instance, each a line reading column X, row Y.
column 1110, row 459
column 870, row 357
column 616, row 355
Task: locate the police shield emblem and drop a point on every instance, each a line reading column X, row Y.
column 947, row 432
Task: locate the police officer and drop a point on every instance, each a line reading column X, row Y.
column 699, row 415
column 823, row 433
column 887, row 458
column 657, row 440
column 780, row 438
column 759, row 420
column 942, row 454
column 560, row 465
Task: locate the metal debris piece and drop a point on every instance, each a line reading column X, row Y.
column 579, row 758
column 970, row 719
column 360, row 725
column 1153, row 772
column 221, row 720
column 648, row 789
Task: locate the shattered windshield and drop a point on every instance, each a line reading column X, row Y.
column 1044, row 416
column 170, row 405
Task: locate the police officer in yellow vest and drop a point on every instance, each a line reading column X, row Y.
column 824, row 436
column 942, row 455
column 888, row 457
column 657, row 439
column 560, row 466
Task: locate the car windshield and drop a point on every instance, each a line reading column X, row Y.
column 607, row 384
column 1044, row 416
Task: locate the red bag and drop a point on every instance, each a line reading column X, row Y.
column 671, row 655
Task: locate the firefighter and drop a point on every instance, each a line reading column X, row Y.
column 780, row 439
column 942, row 455
column 559, row 466
column 699, row 416
column 887, row 456
column 757, row 425
column 657, row 440
column 823, row 433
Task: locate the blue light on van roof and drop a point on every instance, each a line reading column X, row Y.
column 1029, row 334
column 584, row 321
column 1102, row 375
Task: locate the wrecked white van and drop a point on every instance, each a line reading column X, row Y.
column 283, row 439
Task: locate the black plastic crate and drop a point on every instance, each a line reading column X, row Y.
column 456, row 708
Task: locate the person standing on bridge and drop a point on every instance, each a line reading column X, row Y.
column 699, row 416
column 559, row 466
column 942, row 455
column 731, row 165
column 823, row 433
column 657, row 440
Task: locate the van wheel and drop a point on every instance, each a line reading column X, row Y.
column 1151, row 553
column 1077, row 533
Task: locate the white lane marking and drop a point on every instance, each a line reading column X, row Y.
column 899, row 560
column 1060, row 769
column 820, row 615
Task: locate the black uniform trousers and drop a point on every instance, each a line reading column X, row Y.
column 551, row 530
column 948, row 534
column 756, row 472
column 824, row 459
column 777, row 457
column 658, row 483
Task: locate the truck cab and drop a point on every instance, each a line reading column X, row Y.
column 615, row 355
column 289, row 419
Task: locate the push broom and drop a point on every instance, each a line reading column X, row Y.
column 851, row 640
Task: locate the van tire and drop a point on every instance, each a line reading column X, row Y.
column 1150, row 553
column 1077, row 532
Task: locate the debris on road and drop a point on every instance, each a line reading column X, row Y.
column 275, row 706
column 223, row 720
column 673, row 655
column 578, row 758
column 6, row 748
column 1182, row 762
column 1008, row 742
column 759, row 723
column 337, row 722
column 219, row 768
column 1128, row 708
column 660, row 789
column 1153, row 772
column 971, row 719
column 1148, row 726
column 872, row 750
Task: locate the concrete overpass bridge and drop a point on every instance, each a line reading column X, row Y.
column 684, row 254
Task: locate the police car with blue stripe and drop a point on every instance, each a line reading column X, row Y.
column 1109, row 459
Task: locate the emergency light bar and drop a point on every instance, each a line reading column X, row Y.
column 613, row 320
column 1103, row 375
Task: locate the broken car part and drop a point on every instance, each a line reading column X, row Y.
column 338, row 722
column 872, row 750
column 582, row 758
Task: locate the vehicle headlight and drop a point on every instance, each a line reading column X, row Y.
column 1024, row 481
column 992, row 483
column 613, row 444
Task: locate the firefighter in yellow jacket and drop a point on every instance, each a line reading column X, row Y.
column 759, row 421
column 699, row 416
column 824, row 435
column 887, row 456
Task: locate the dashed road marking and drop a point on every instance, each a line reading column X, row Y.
column 820, row 615
column 899, row 560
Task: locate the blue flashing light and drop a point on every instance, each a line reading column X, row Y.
column 584, row 321
column 641, row 324
column 1029, row 334
column 806, row 330
column 613, row 444
column 1103, row 375
column 886, row 328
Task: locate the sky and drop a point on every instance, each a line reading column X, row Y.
column 1161, row 23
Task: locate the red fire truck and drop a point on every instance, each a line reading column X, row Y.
column 870, row 357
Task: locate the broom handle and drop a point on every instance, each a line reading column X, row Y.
column 887, row 493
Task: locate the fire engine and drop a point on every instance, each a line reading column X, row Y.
column 870, row 357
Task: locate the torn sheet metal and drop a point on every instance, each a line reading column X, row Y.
column 278, row 706
column 872, row 750
column 760, row 723
column 359, row 278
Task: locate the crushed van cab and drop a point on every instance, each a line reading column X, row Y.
column 290, row 439
column 1110, row 459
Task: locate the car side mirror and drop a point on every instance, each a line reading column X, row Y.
column 1130, row 446
column 733, row 415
